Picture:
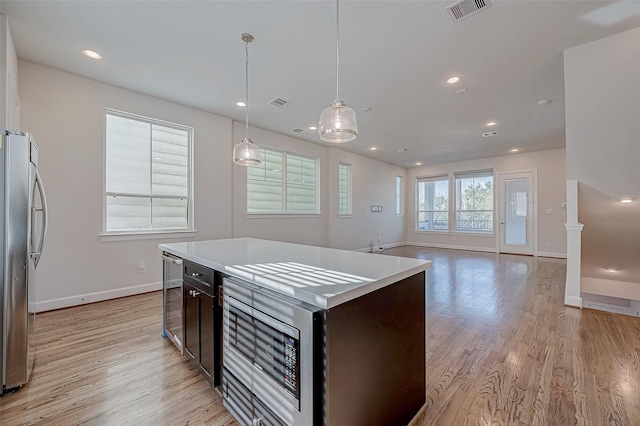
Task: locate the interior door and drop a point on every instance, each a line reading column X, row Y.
column 516, row 213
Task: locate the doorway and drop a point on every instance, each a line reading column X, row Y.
column 516, row 212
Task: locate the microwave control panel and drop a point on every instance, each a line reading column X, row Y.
column 291, row 364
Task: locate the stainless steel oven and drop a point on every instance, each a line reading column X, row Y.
column 268, row 355
column 172, row 321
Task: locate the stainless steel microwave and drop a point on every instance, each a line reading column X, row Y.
column 268, row 349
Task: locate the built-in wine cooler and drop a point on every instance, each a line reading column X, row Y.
column 268, row 356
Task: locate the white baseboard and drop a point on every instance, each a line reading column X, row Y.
column 83, row 299
column 573, row 301
column 551, row 254
column 453, row 247
column 384, row 246
column 607, row 307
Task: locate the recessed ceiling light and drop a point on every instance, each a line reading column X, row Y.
column 453, row 80
column 490, row 123
column 418, row 164
column 241, row 104
column 373, row 148
column 313, row 128
column 626, row 200
column 544, row 102
column 612, row 270
column 91, row 54
column 367, row 109
column 514, row 150
column 461, row 91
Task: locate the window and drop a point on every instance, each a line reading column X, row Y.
column 148, row 174
column 399, row 195
column 344, row 189
column 433, row 203
column 474, row 201
column 283, row 183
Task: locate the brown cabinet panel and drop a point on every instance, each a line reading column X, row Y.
column 200, row 334
column 206, row 334
column 191, row 322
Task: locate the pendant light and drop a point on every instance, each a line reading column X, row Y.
column 245, row 152
column 338, row 122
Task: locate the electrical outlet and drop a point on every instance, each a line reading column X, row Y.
column 141, row 267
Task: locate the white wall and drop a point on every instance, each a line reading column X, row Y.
column 551, row 193
column 4, row 29
column 373, row 183
column 65, row 114
column 602, row 109
column 300, row 229
column 12, row 110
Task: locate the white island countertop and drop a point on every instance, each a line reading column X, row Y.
column 323, row 277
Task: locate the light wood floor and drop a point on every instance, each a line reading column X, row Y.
column 501, row 350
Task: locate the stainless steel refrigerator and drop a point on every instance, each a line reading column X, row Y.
column 23, row 219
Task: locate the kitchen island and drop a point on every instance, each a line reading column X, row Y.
column 315, row 335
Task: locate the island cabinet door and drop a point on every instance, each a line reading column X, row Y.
column 191, row 322
column 199, row 329
column 206, row 334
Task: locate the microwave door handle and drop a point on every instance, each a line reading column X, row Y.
column 45, row 220
column 175, row 260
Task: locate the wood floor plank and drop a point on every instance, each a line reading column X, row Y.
column 502, row 350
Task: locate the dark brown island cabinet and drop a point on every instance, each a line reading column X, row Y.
column 201, row 314
column 295, row 335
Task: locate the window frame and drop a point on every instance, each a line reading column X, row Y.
column 456, row 198
column 284, row 186
column 348, row 190
column 399, row 196
column 150, row 233
column 433, row 178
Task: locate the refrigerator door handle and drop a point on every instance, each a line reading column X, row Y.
column 43, row 230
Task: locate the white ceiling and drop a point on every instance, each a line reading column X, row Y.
column 394, row 58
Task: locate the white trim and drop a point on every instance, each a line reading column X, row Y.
column 83, row 299
column 453, row 247
column 283, row 216
column 146, row 235
column 551, row 254
column 385, row 246
column 532, row 249
column 348, row 168
column 607, row 307
column 574, row 226
column 190, row 170
column 573, row 301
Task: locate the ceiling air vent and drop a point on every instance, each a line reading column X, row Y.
column 464, row 8
column 488, row 134
column 298, row 130
column 279, row 102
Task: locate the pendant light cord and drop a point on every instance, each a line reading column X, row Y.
column 337, row 50
column 246, row 90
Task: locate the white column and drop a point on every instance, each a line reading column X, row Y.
column 574, row 243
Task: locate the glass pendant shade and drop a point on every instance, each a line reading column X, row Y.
column 338, row 123
column 246, row 153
